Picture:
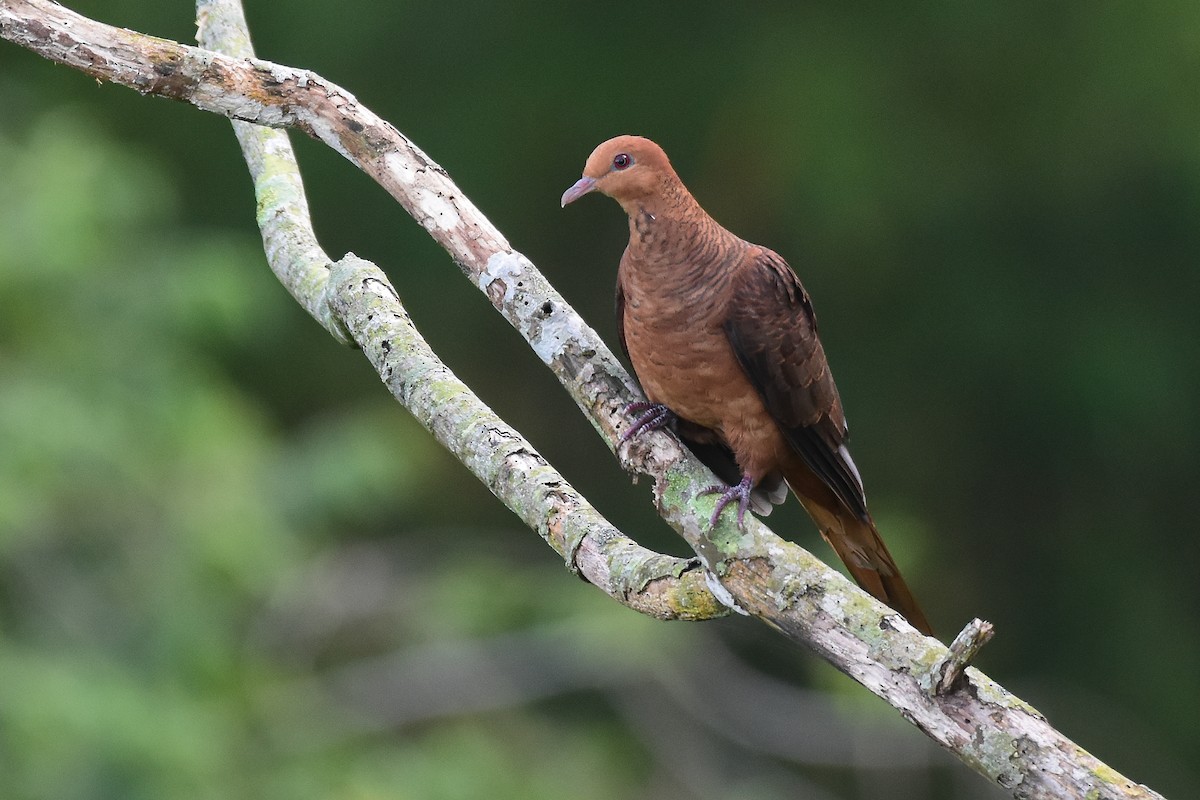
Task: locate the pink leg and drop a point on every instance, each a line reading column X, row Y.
column 741, row 493
column 652, row 416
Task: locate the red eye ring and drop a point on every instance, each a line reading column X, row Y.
column 622, row 161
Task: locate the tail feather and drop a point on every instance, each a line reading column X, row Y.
column 858, row 544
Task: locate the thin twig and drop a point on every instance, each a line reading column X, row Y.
column 946, row 673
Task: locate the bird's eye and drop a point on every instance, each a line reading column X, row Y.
column 622, row 161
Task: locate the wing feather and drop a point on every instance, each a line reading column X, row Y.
column 773, row 332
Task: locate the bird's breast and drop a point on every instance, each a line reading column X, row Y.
column 676, row 303
column 683, row 358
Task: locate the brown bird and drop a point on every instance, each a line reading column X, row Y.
column 724, row 341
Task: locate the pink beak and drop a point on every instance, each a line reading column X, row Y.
column 581, row 187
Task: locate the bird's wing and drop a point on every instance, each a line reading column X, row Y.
column 773, row 332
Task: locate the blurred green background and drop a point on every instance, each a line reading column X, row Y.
column 231, row 566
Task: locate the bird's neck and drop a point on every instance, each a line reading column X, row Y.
column 667, row 199
column 676, row 249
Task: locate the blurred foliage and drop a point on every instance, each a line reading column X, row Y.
column 211, row 515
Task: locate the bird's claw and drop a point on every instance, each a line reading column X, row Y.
column 741, row 493
column 651, row 417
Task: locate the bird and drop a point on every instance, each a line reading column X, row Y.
column 723, row 339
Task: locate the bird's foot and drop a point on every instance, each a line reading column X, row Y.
column 741, row 493
column 651, row 417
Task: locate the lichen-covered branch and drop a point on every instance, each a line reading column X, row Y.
column 355, row 302
column 658, row 585
column 996, row 733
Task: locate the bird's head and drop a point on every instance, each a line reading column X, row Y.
column 626, row 168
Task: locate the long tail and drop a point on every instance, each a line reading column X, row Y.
column 858, row 544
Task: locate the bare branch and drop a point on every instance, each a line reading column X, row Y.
column 658, row 585
column 651, row 583
column 991, row 730
column 654, row 584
